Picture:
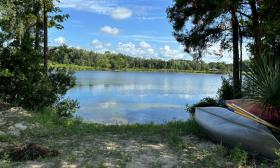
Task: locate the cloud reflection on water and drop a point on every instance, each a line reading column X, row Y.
column 132, row 97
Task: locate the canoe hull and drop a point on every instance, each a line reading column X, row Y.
column 231, row 129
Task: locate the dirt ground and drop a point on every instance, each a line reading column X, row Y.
column 110, row 149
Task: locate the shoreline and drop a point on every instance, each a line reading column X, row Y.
column 74, row 67
column 81, row 144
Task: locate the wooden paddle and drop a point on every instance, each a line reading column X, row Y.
column 251, row 116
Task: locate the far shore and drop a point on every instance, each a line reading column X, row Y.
column 82, row 68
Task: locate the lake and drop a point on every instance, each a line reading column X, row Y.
column 139, row 97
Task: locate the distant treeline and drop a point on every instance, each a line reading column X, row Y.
column 66, row 55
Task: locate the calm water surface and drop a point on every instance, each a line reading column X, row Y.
column 139, row 97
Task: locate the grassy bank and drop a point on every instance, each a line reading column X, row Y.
column 80, row 68
column 80, row 144
column 54, row 126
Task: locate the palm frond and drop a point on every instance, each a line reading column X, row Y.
column 262, row 82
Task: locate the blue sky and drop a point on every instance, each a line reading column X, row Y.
column 137, row 28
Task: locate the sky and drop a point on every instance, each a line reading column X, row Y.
column 137, row 28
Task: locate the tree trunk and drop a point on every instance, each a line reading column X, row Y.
column 45, row 37
column 236, row 72
column 256, row 28
column 240, row 55
column 38, row 28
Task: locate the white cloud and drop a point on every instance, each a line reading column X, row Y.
column 143, row 50
column 144, row 45
column 59, row 41
column 108, row 44
column 121, row 13
column 157, row 39
column 66, row 4
column 97, row 44
column 110, row 8
column 100, row 7
column 167, row 52
column 152, row 18
column 151, row 51
column 110, row 30
column 100, row 47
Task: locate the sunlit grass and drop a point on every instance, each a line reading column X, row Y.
column 52, row 125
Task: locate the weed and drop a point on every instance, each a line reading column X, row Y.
column 277, row 162
column 5, row 162
column 238, row 156
column 72, row 158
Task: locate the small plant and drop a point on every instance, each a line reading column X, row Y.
column 67, row 107
column 263, row 82
column 238, row 156
column 5, row 161
column 277, row 162
column 72, row 158
column 226, row 90
column 205, row 102
column 224, row 93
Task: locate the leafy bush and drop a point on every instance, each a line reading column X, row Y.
column 262, row 81
column 26, row 83
column 205, row 102
column 226, row 90
column 67, row 107
column 224, row 93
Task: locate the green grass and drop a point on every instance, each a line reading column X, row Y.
column 80, row 68
column 86, row 143
column 54, row 126
column 238, row 156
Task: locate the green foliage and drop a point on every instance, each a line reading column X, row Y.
column 24, row 81
column 5, row 138
column 226, row 90
column 205, row 102
column 110, row 61
column 62, row 80
column 271, row 28
column 238, row 156
column 29, row 85
column 66, row 107
column 262, row 82
column 277, row 162
column 5, row 161
column 213, row 22
column 208, row 19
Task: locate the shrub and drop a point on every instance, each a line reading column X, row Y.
column 205, row 102
column 26, row 83
column 262, row 81
column 66, row 107
column 226, row 90
column 224, row 93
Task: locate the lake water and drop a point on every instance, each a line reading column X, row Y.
column 139, row 97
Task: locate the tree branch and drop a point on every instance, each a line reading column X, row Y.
column 244, row 14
